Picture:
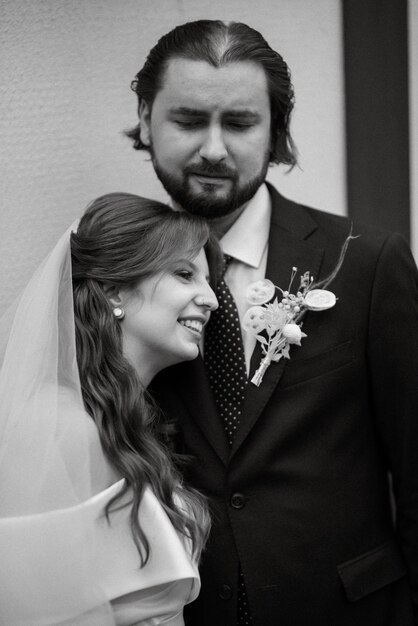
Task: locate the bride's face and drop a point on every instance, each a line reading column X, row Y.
column 165, row 316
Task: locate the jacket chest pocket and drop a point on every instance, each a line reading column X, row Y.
column 301, row 370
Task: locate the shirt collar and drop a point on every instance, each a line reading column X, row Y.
column 248, row 236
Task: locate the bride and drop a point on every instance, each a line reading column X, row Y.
column 96, row 527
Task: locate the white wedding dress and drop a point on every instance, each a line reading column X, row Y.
column 49, row 589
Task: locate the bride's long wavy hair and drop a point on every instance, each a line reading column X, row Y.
column 122, row 239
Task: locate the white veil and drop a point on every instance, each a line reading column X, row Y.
column 50, row 460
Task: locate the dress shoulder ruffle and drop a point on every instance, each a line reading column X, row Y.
column 73, row 566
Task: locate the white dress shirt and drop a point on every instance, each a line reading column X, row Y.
column 247, row 243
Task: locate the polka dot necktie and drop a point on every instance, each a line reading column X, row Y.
column 225, row 360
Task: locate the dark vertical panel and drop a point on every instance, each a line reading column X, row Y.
column 376, row 83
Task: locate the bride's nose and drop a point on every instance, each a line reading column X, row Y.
column 207, row 300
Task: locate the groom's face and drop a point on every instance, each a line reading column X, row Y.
column 209, row 134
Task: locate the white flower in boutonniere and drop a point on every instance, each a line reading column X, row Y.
column 281, row 320
column 292, row 332
column 319, row 300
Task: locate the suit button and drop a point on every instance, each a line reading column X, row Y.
column 237, row 500
column 225, row 592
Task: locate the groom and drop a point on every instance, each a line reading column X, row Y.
column 296, row 470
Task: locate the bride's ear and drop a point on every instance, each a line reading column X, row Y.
column 116, row 300
column 113, row 294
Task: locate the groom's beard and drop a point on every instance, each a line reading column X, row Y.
column 208, row 203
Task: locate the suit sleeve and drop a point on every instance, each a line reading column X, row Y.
column 393, row 362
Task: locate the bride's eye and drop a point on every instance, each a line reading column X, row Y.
column 186, row 275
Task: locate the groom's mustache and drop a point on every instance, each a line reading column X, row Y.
column 206, row 169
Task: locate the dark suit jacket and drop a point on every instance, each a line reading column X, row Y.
column 302, row 499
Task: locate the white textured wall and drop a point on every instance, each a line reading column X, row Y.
column 65, row 70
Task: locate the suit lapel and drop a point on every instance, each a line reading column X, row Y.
column 290, row 227
column 193, row 385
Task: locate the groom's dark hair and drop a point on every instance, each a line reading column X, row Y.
column 219, row 44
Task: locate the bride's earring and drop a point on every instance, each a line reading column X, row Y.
column 119, row 313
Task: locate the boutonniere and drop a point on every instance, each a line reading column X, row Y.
column 281, row 318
